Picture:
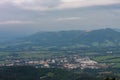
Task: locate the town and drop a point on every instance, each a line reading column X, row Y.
column 67, row 62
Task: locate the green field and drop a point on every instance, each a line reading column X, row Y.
column 2, row 54
column 115, row 60
column 117, row 65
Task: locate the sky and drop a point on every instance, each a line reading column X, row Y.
column 30, row 16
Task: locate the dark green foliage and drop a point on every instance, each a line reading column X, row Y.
column 110, row 78
column 18, row 73
column 31, row 73
column 107, row 78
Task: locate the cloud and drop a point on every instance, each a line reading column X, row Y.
column 44, row 5
column 15, row 22
column 68, row 19
column 36, row 4
column 29, row 14
column 86, row 3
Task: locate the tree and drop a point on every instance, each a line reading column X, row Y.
column 110, row 78
column 107, row 78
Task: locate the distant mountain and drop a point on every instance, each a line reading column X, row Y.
column 96, row 38
column 8, row 35
column 117, row 30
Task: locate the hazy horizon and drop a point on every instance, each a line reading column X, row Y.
column 30, row 16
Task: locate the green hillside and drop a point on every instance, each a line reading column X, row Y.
column 96, row 38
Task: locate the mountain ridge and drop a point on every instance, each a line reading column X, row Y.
column 97, row 38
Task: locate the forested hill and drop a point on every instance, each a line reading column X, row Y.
column 32, row 73
column 102, row 37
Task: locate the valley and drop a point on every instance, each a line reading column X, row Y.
column 96, row 52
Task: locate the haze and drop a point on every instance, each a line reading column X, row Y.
column 29, row 16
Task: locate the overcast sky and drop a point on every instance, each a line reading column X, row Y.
column 52, row 15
